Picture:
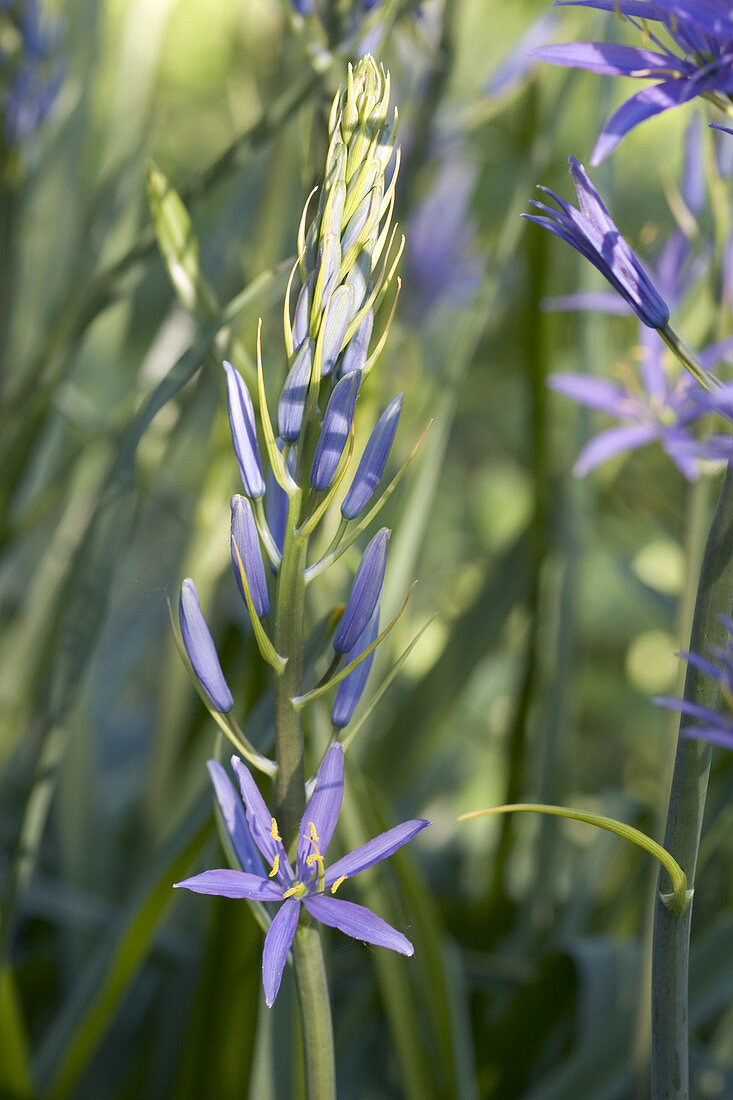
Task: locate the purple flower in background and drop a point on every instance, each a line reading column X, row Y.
column 310, row 885
column 440, row 263
column 707, row 724
column 520, row 61
column 702, row 32
column 590, row 230
column 201, row 650
column 30, row 76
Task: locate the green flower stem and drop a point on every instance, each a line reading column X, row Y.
column 289, row 612
column 687, row 358
column 670, row 958
column 315, row 1007
column 310, row 970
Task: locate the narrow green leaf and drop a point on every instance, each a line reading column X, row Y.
column 15, row 1072
column 81, row 1025
column 680, row 897
column 179, row 247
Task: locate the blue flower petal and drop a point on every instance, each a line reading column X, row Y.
column 375, row 850
column 323, row 808
column 357, row 921
column 233, row 884
column 277, row 944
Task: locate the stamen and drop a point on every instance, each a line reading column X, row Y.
column 275, row 866
column 337, row 883
column 291, row 892
column 313, row 834
column 274, row 831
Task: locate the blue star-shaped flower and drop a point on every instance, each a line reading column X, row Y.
column 310, row 884
column 702, row 32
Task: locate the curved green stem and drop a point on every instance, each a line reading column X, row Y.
column 680, row 897
column 670, row 958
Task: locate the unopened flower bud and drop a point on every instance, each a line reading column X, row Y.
column 373, row 461
column 350, row 690
column 365, row 592
column 246, row 547
column 357, row 350
column 244, row 433
column 294, row 392
column 339, row 312
column 335, row 431
column 201, row 650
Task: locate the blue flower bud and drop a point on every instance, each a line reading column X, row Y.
column 301, row 319
column 244, row 433
column 373, row 461
column 247, row 541
column 329, row 265
column 294, row 392
column 339, row 312
column 357, row 350
column 277, row 501
column 356, row 223
column 335, row 431
column 350, row 690
column 365, row 592
column 358, row 277
column 200, row 649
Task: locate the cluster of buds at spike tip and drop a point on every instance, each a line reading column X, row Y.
column 348, row 253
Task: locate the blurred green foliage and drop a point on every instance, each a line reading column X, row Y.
column 559, row 603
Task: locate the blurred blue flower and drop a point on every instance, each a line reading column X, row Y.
column 440, row 261
column 702, row 30
column 30, row 72
column 310, row 885
column 707, row 724
column 590, row 229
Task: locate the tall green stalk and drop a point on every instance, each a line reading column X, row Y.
column 670, row 959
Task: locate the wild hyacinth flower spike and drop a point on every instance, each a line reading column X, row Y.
column 702, row 32
column 309, row 885
column 340, row 290
column 590, row 230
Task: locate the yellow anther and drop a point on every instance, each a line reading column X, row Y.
column 314, row 837
column 275, row 866
column 289, row 893
column 274, row 831
column 337, row 883
column 314, row 857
